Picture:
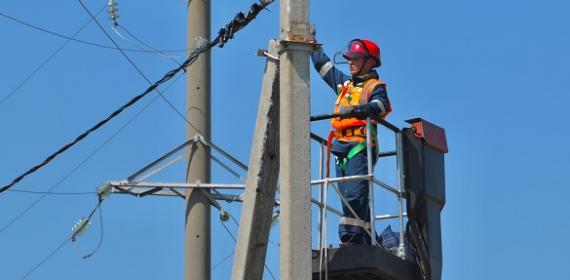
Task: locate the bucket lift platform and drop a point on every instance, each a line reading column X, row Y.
column 420, row 155
column 362, row 262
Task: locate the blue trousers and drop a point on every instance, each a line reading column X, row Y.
column 356, row 194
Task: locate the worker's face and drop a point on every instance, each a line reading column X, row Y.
column 359, row 66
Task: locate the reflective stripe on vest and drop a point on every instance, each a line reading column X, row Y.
column 354, row 222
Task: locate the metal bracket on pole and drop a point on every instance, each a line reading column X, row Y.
column 262, row 52
column 296, row 45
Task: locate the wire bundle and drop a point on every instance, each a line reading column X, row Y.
column 225, row 34
column 240, row 21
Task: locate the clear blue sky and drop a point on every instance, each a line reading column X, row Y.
column 492, row 73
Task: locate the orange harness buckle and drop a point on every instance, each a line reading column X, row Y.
column 349, row 132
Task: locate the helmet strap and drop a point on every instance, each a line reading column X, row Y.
column 364, row 62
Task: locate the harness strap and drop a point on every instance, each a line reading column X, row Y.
column 329, row 145
column 354, row 222
column 352, row 153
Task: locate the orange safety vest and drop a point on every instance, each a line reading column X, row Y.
column 352, row 129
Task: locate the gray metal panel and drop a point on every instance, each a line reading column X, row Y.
column 434, row 239
column 434, row 175
column 425, row 182
column 424, row 169
column 362, row 262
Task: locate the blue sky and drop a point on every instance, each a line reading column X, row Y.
column 492, row 73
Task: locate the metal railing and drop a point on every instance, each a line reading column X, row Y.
column 324, row 183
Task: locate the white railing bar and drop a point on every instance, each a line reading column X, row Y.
column 388, row 216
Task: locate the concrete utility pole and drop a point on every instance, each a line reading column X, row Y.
column 197, row 232
column 295, row 237
column 261, row 184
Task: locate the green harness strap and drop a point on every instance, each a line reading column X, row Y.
column 354, row 151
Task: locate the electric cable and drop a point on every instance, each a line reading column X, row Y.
column 224, row 35
column 46, row 258
column 132, row 63
column 46, row 61
column 138, row 68
column 222, row 260
column 229, row 232
column 235, row 241
column 73, row 237
column 145, row 45
column 114, row 16
column 71, row 38
column 165, row 78
column 78, row 231
column 54, row 193
column 100, row 147
column 222, row 39
column 101, row 232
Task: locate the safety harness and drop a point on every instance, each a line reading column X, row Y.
column 342, row 163
column 351, row 129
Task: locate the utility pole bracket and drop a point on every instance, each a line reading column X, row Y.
column 265, row 53
column 298, row 43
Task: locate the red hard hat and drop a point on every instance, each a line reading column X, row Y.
column 363, row 48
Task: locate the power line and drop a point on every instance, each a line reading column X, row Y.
column 235, row 241
column 101, row 234
column 224, row 34
column 72, row 38
column 33, row 73
column 82, row 136
column 131, row 62
column 19, row 216
column 46, row 258
column 145, row 45
column 113, row 15
column 72, row 238
column 54, row 193
column 222, row 260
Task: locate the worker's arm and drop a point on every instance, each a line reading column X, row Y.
column 378, row 103
column 327, row 70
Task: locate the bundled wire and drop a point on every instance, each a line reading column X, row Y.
column 240, row 21
column 224, row 35
column 83, row 162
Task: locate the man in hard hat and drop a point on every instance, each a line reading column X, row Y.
column 360, row 95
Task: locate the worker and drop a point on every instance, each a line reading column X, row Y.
column 360, row 95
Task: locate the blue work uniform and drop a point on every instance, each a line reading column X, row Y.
column 356, row 192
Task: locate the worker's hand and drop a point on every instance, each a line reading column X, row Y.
column 313, row 33
column 346, row 112
column 361, row 112
column 358, row 112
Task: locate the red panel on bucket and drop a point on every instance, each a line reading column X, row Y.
column 433, row 135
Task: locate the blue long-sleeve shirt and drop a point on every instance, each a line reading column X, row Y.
column 377, row 102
